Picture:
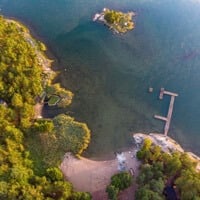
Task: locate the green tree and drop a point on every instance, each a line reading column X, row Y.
column 42, row 46
column 157, row 185
column 58, row 190
column 122, row 180
column 54, row 174
column 189, row 184
column 112, row 192
column 20, row 82
column 155, row 153
column 146, row 174
column 109, row 17
column 173, row 165
column 147, row 194
column 187, row 162
column 17, row 100
column 72, row 136
column 43, row 125
column 118, row 183
column 81, row 196
column 145, row 152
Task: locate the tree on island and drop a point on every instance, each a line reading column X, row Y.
column 118, row 21
column 111, row 17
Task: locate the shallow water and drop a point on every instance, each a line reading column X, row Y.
column 110, row 74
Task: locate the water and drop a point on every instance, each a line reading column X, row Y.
column 110, row 74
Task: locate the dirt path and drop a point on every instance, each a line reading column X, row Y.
column 93, row 176
column 38, row 110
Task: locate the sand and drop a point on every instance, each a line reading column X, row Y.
column 94, row 176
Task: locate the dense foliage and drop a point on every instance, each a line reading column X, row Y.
column 64, row 96
column 49, row 140
column 72, row 136
column 20, row 83
column 118, row 21
column 160, row 169
column 20, row 72
column 118, row 183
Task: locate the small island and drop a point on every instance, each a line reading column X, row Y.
column 117, row 21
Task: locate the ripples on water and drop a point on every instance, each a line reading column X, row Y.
column 110, row 74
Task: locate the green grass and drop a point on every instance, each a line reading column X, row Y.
column 43, row 150
column 47, row 147
column 54, row 99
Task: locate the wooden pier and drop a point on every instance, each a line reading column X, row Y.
column 160, row 117
column 170, row 110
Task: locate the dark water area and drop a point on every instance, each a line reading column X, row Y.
column 110, row 74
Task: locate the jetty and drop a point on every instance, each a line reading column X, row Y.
column 170, row 110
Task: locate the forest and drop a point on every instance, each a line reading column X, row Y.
column 27, row 170
column 31, row 149
column 160, row 169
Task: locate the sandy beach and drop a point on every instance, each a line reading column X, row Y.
column 94, row 176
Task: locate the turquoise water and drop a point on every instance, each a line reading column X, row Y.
column 110, row 74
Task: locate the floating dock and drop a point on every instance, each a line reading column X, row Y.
column 170, row 110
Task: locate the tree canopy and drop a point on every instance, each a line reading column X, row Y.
column 72, row 135
column 118, row 21
column 21, row 81
column 118, row 183
column 160, row 169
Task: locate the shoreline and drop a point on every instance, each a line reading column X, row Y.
column 167, row 144
column 49, row 55
column 93, row 176
column 46, row 59
column 112, row 26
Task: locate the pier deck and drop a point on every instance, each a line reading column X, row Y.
column 170, row 93
column 169, row 115
column 160, row 117
column 170, row 110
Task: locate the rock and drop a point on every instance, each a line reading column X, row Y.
column 166, row 143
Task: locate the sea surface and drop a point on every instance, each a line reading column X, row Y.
column 110, row 74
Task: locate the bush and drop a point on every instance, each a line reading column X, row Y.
column 72, row 136
column 81, row 196
column 118, row 183
column 54, row 174
column 112, row 192
column 122, row 180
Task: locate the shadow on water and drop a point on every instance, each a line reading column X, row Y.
column 110, row 74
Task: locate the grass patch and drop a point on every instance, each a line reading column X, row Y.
column 44, row 151
column 54, row 99
column 48, row 141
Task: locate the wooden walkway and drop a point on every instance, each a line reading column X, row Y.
column 170, row 110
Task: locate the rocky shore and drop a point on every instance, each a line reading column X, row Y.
column 117, row 21
column 166, row 143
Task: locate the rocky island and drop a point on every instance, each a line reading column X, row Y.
column 117, row 21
